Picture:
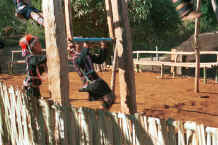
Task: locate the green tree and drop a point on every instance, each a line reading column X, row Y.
column 152, row 21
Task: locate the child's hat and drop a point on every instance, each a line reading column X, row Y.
column 26, row 43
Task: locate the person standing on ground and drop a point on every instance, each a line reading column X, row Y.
column 35, row 66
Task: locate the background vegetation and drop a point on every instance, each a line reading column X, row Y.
column 153, row 22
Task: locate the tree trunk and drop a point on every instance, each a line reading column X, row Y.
column 125, row 62
column 57, row 57
column 215, row 9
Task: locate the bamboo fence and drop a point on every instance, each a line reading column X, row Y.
column 91, row 127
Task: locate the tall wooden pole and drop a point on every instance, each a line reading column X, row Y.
column 68, row 19
column 109, row 12
column 197, row 49
column 69, row 32
column 56, row 57
column 124, row 48
column 108, row 8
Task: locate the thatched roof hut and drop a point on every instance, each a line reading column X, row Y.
column 207, row 41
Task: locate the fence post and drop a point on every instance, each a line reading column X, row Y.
column 162, row 71
column 157, row 55
column 205, row 75
column 11, row 64
column 216, row 77
column 173, row 57
column 137, row 65
column 137, row 56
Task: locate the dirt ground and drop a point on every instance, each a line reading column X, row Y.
column 164, row 98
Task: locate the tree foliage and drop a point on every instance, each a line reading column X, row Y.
column 153, row 22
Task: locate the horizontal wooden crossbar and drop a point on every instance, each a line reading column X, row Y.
column 175, row 64
column 170, row 52
column 94, row 39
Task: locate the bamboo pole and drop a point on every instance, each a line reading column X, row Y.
column 57, row 57
column 68, row 19
column 124, row 48
column 108, row 8
column 197, row 49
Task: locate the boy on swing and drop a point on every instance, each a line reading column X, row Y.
column 24, row 10
column 185, row 9
column 83, row 61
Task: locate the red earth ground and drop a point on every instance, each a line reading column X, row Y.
column 163, row 98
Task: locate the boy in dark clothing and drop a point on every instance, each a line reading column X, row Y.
column 185, row 9
column 24, row 10
column 83, row 61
